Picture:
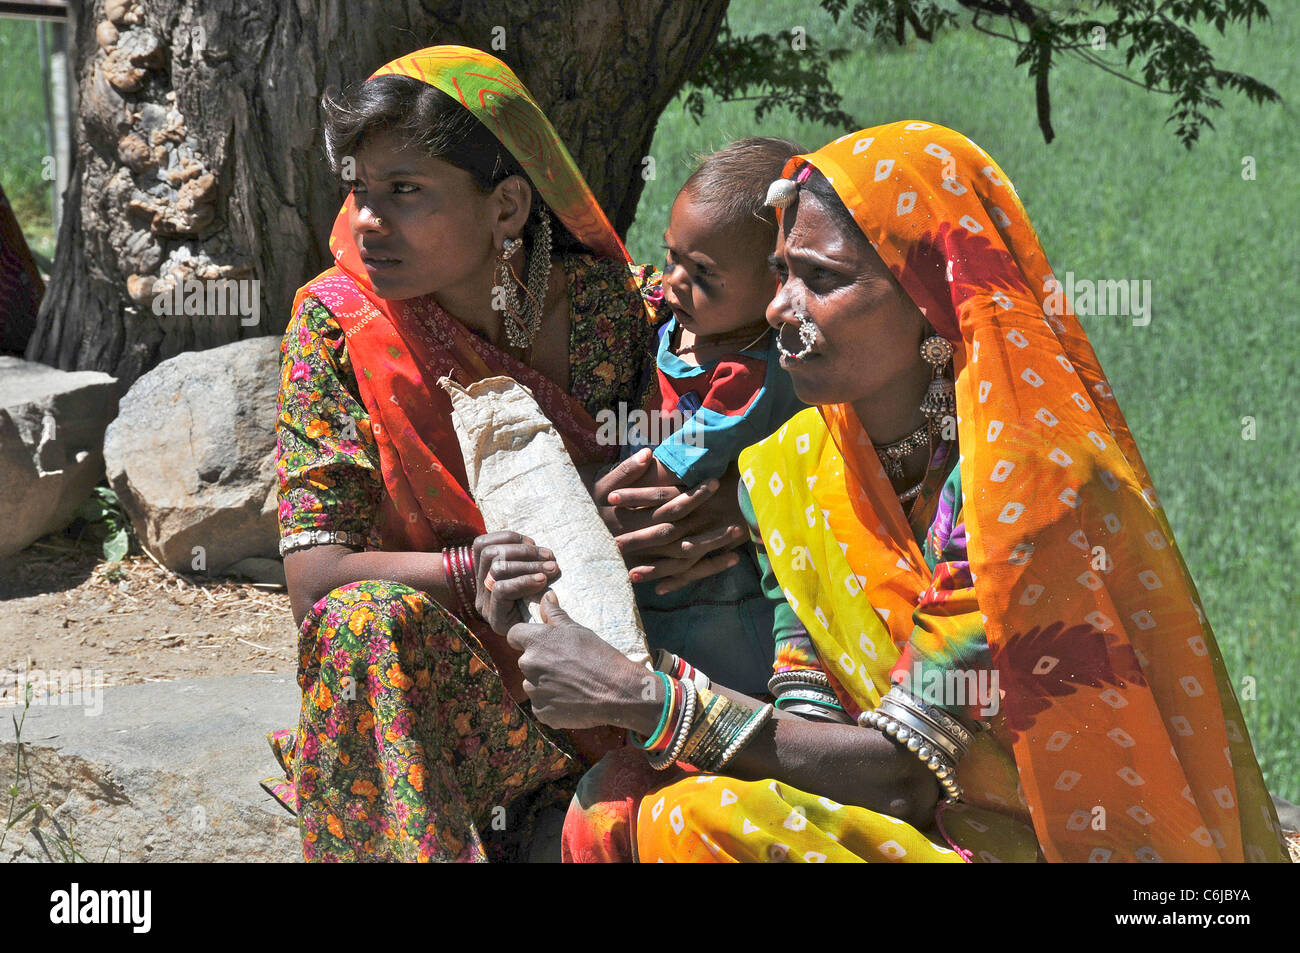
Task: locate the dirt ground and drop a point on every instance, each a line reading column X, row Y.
column 62, row 607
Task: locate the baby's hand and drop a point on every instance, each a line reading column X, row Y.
column 659, row 475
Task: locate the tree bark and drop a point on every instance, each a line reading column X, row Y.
column 199, row 151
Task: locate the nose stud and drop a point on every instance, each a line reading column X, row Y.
column 807, row 336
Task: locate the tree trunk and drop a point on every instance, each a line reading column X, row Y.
column 199, row 152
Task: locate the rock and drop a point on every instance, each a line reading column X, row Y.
column 258, row 569
column 165, row 772
column 192, row 455
column 51, row 433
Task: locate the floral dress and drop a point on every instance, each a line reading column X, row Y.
column 409, row 746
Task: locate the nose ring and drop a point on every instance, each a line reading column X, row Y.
column 379, row 222
column 807, row 336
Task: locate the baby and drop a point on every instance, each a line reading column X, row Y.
column 718, row 371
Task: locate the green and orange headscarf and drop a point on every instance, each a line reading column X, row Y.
column 1116, row 693
column 399, row 360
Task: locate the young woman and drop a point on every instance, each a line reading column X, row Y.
column 469, row 246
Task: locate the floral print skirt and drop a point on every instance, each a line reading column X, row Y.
column 408, row 746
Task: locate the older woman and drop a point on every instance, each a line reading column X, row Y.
column 988, row 647
column 469, row 246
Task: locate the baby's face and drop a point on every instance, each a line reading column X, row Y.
column 715, row 279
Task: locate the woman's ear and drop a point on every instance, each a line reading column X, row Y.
column 514, row 200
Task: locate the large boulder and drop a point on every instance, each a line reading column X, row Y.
column 51, row 434
column 160, row 772
column 192, row 455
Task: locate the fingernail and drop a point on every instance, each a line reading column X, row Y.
column 661, row 590
column 713, row 486
column 539, row 577
column 614, row 497
column 546, row 554
column 549, row 566
column 636, row 576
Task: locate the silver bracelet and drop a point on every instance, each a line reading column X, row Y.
column 798, row 676
column 319, row 537
column 756, row 721
column 921, row 744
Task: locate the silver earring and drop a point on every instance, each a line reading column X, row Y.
column 523, row 321
column 940, row 399
column 807, row 337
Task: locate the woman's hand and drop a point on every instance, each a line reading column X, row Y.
column 665, row 533
column 509, row 567
column 576, row 680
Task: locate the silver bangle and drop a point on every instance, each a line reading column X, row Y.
column 944, row 770
column 798, row 676
column 756, row 721
column 808, row 693
column 899, row 698
column 319, row 537
column 919, row 728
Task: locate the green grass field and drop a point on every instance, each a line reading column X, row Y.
column 1116, row 196
column 22, row 133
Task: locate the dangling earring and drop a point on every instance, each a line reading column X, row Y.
column 522, row 322
column 807, row 336
column 940, row 399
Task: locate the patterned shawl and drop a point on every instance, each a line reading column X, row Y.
column 1116, row 694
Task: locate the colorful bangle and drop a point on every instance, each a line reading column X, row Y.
column 711, row 706
column 727, row 730
column 678, row 667
column 656, row 737
column 458, row 568
column 683, row 730
column 711, row 739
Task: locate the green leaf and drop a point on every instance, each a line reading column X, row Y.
column 117, row 546
column 92, row 511
column 23, row 813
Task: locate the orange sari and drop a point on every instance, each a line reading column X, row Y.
column 1118, row 716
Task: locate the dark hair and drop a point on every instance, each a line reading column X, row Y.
column 429, row 120
column 732, row 182
column 820, row 186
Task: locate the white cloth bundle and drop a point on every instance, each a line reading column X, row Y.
column 523, row 479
